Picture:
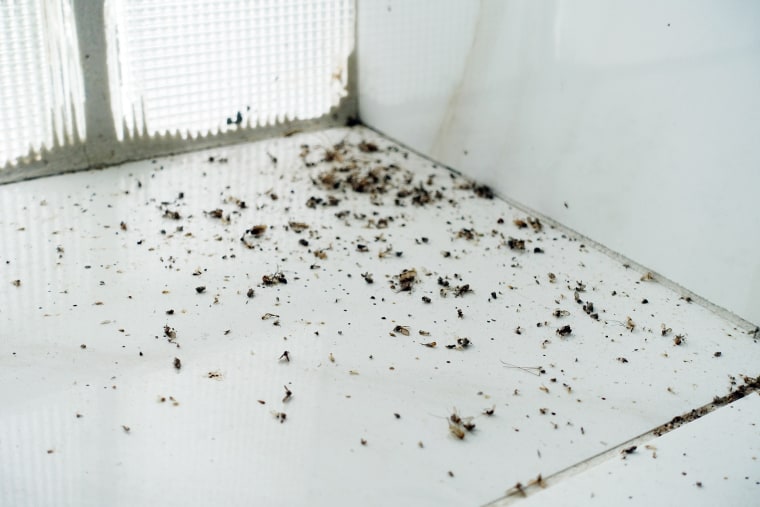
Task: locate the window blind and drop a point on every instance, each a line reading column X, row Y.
column 199, row 67
column 41, row 85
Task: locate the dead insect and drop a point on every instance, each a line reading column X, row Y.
column 250, row 293
column 406, row 279
column 460, row 313
column 363, row 441
column 489, row 411
column 397, row 415
column 404, row 330
column 215, row 213
column 200, row 289
column 125, row 428
column 560, row 313
column 629, row 324
column 123, row 226
column 170, row 332
column 521, row 224
column 461, row 290
column 298, row 227
column 516, row 244
column 288, row 394
column 174, row 215
column 368, row 278
column 483, row 191
column 622, row 359
column 268, row 316
column 628, row 450
column 177, row 363
column 564, row 330
column 285, row 356
column 367, row 147
column 538, row 481
column 426, row 299
column 430, row 344
column 552, row 277
column 647, row 276
column 679, row 339
column 665, row 331
column 467, row 234
column 254, row 232
column 280, row 416
column 456, row 430
column 536, row 224
column 274, row 279
column 424, row 333
column 16, row 283
column 517, row 489
column 463, row 343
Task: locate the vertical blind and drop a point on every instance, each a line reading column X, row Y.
column 41, row 85
column 185, row 68
column 196, row 67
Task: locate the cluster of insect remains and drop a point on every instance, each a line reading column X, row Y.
column 460, row 426
column 460, row 344
column 404, row 281
column 274, row 279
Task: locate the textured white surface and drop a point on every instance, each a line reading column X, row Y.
column 83, row 280
column 712, row 461
column 200, row 67
column 643, row 119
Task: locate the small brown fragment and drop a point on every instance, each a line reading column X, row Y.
column 404, row 330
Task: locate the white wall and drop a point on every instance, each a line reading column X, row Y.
column 644, row 117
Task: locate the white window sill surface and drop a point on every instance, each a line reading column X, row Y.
column 96, row 412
